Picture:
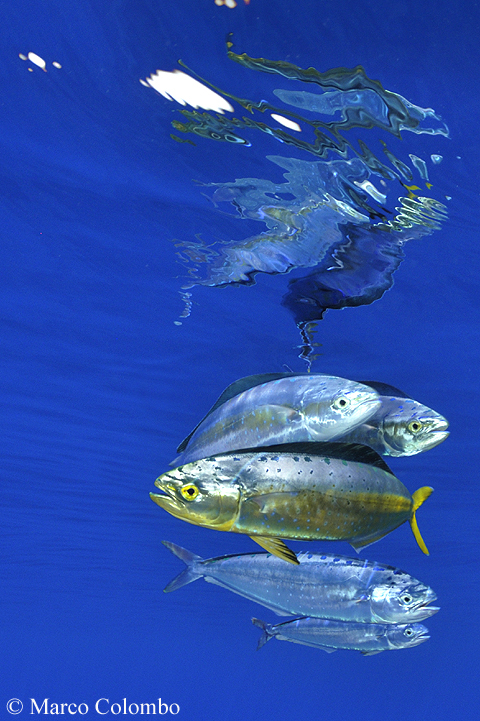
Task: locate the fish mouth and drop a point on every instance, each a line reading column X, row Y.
column 420, row 639
column 424, row 611
column 434, row 438
column 422, row 636
column 167, row 499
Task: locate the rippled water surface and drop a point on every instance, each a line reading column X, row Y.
column 142, row 275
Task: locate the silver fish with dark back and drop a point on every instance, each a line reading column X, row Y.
column 322, row 585
column 369, row 638
column 400, row 425
column 285, row 409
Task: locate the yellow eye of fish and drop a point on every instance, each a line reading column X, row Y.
column 415, row 426
column 189, row 492
column 408, row 632
column 341, row 403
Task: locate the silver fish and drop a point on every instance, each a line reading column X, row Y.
column 369, row 638
column 289, row 409
column 322, row 585
column 401, row 426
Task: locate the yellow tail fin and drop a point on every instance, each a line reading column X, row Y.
column 418, row 498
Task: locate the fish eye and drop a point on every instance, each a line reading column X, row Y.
column 189, row 492
column 408, row 632
column 415, row 426
column 341, row 403
column 406, row 599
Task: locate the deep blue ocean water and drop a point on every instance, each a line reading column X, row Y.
column 102, row 377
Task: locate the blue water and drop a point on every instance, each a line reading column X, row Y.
column 99, row 383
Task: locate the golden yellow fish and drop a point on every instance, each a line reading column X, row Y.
column 308, row 491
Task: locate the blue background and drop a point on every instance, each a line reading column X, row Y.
column 99, row 385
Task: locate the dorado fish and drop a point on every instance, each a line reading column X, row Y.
column 369, row 638
column 287, row 409
column 324, row 586
column 303, row 491
column 400, row 426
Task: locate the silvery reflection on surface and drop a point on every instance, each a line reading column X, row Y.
column 346, row 218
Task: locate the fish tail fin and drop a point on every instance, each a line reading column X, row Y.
column 419, row 497
column 266, row 636
column 189, row 574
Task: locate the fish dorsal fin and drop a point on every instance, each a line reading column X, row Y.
column 244, row 384
column 234, row 389
column 276, row 547
column 384, row 389
column 343, row 451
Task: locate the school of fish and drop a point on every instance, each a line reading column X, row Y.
column 283, row 456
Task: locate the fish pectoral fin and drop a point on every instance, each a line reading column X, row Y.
column 358, row 545
column 276, row 547
column 271, row 502
column 370, row 653
column 418, row 498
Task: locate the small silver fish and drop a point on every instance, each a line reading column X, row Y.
column 369, row 638
column 322, row 585
column 286, row 409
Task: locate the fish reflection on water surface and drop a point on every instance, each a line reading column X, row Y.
column 264, row 409
column 347, row 217
column 369, row 638
column 309, row 491
column 285, row 410
column 322, row 585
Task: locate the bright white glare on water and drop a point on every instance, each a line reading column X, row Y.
column 181, row 87
column 286, row 122
column 37, row 60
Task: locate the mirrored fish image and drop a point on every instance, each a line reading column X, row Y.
column 285, row 409
column 324, row 586
column 359, row 268
column 400, row 426
column 309, row 491
column 369, row 638
column 347, row 214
